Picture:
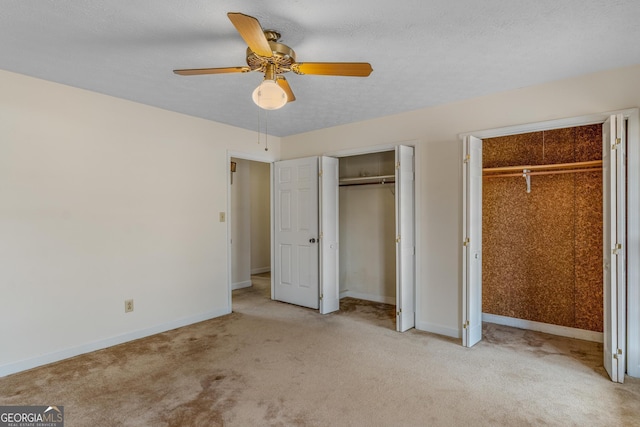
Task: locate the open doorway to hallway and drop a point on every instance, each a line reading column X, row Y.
column 250, row 224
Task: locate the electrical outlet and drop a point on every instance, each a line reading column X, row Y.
column 128, row 305
column 222, row 217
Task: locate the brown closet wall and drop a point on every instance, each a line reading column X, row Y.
column 542, row 251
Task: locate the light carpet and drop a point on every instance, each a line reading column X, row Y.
column 275, row 364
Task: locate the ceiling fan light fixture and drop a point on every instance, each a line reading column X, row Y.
column 269, row 95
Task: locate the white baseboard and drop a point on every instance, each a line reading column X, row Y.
column 438, row 329
column 240, row 285
column 56, row 356
column 562, row 331
column 368, row 297
column 261, row 270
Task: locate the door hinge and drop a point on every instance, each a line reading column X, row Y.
column 466, row 242
column 321, row 296
column 320, row 236
column 617, row 248
column 465, row 325
column 617, row 354
column 397, row 165
column 615, row 145
column 320, row 173
column 398, row 239
column 467, row 158
column 398, row 312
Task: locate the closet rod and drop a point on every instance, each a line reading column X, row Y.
column 366, row 183
column 503, row 175
column 575, row 165
column 368, row 180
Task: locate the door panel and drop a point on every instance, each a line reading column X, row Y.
column 329, row 251
column 296, row 232
column 405, row 242
column 614, row 205
column 621, row 233
column 285, row 209
column 285, row 264
column 472, row 245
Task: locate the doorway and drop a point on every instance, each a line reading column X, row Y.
column 367, row 229
column 379, row 242
column 542, row 231
column 615, row 248
column 249, row 222
column 306, row 232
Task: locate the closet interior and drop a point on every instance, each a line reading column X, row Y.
column 367, row 227
column 542, row 227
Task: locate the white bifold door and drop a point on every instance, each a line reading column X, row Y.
column 405, row 238
column 306, row 234
column 302, row 196
column 472, row 241
column 329, row 254
column 614, row 208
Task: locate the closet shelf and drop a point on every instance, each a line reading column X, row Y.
column 557, row 168
column 366, row 180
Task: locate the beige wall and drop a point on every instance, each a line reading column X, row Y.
column 102, row 200
column 260, row 217
column 438, row 163
column 241, row 230
column 367, row 243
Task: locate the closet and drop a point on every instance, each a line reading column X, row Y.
column 542, row 227
column 367, row 227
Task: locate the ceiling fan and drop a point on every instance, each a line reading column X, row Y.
column 267, row 55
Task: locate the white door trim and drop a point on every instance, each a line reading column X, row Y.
column 633, row 242
column 633, row 205
column 549, row 124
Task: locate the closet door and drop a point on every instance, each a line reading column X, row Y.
column 405, row 239
column 472, row 243
column 329, row 253
column 614, row 205
column 296, row 232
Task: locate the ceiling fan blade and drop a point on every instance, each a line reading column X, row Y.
column 353, row 69
column 284, row 84
column 252, row 33
column 198, row 71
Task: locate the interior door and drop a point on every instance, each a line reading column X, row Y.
column 614, row 208
column 296, row 278
column 329, row 251
column 472, row 243
column 405, row 238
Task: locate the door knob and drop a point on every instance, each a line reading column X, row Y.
column 312, row 240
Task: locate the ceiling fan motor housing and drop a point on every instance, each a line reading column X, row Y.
column 282, row 59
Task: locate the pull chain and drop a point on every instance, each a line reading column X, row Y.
column 266, row 131
column 259, row 126
column 266, row 142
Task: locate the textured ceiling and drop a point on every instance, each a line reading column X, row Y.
column 423, row 52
